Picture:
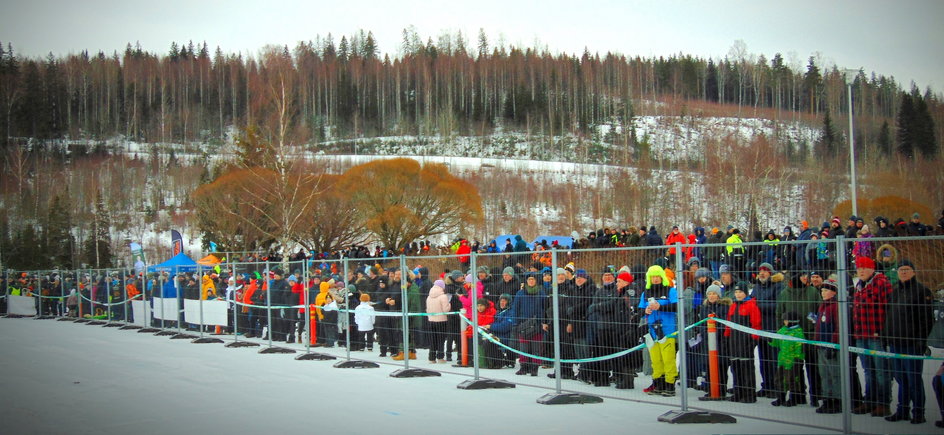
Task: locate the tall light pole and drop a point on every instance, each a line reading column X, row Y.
column 850, row 75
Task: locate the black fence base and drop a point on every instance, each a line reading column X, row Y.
column 16, row 316
column 414, row 373
column 277, row 350
column 484, row 384
column 165, row 333
column 66, row 319
column 314, row 356
column 242, row 344
column 183, row 337
column 686, row 417
column 45, row 317
column 130, row 327
column 356, row 364
column 148, row 330
column 96, row 323
column 114, row 325
column 82, row 320
column 205, row 340
column 712, row 399
column 568, row 399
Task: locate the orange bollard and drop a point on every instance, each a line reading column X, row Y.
column 464, row 346
column 713, row 375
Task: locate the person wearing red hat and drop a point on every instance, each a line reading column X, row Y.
column 869, row 304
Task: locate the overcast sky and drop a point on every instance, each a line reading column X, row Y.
column 901, row 39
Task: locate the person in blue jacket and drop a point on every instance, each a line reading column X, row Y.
column 528, row 315
column 501, row 328
column 661, row 307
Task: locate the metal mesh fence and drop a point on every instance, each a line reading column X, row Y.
column 835, row 333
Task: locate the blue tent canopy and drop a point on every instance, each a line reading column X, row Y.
column 566, row 242
column 179, row 263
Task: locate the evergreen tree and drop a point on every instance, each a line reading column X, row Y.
column 711, row 81
column 906, row 122
column 98, row 245
column 924, row 137
column 884, row 140
column 829, row 140
column 57, row 235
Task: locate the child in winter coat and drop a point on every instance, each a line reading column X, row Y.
column 789, row 374
column 364, row 317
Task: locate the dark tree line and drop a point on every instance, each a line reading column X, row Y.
column 347, row 89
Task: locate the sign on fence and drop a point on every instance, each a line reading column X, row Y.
column 214, row 312
column 21, row 305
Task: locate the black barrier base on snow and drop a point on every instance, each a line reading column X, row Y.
column 242, row 344
column 274, row 349
column 45, row 317
column 96, row 323
column 130, row 327
column 165, row 333
column 16, row 316
column 148, row 330
column 205, row 340
column 484, row 384
column 414, row 373
column 356, row 364
column 568, row 399
column 685, row 417
column 66, row 319
column 82, row 320
column 114, row 325
column 314, row 356
column 183, row 337
column 712, row 399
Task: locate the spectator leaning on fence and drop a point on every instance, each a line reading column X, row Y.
column 869, row 304
column 660, row 303
column 908, row 322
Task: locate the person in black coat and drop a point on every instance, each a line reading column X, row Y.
column 908, row 321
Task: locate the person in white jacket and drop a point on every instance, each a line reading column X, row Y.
column 364, row 317
column 437, row 302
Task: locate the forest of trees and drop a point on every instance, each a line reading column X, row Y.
column 323, row 94
column 347, row 89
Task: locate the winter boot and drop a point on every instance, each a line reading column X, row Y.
column 781, row 400
column 523, row 370
column 899, row 415
column 398, row 357
column 625, row 382
column 413, row 355
column 534, row 370
column 668, row 389
column 830, row 406
column 796, row 399
column 656, row 388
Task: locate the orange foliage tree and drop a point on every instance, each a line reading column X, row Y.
column 401, row 201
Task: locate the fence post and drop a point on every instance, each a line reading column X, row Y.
column 268, row 283
column 126, row 303
column 686, row 416
column 474, row 315
column 681, row 342
column 844, row 374
column 200, row 297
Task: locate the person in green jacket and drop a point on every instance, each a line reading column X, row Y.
column 803, row 297
column 788, row 373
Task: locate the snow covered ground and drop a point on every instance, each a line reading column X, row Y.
column 63, row 377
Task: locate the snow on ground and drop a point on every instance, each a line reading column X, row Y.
column 68, row 378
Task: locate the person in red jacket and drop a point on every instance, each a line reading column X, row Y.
column 674, row 237
column 463, row 253
column 486, row 316
column 740, row 345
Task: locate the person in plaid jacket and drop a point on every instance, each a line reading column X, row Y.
column 869, row 304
